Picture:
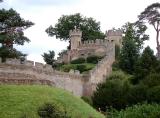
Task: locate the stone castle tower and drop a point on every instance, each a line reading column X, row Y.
column 83, row 49
column 114, row 36
column 75, row 38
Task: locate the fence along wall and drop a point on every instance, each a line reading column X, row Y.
column 13, row 72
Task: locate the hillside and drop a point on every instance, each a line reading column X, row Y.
column 17, row 101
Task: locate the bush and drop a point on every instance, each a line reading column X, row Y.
column 118, row 75
column 112, row 93
column 137, row 111
column 78, row 61
column 93, row 59
column 81, row 68
column 152, row 80
column 49, row 111
column 153, row 94
column 68, row 67
column 137, row 94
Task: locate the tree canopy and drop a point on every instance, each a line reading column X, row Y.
column 134, row 37
column 151, row 14
column 11, row 32
column 49, row 57
column 89, row 27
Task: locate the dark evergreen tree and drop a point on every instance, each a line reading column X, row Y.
column 134, row 37
column 145, row 65
column 11, row 32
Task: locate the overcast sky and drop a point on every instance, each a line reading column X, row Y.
column 110, row 13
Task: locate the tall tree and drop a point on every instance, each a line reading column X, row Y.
column 145, row 65
column 89, row 26
column 11, row 32
column 152, row 15
column 134, row 37
column 49, row 57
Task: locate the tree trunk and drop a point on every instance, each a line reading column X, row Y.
column 158, row 46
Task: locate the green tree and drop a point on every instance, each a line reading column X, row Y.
column 49, row 57
column 89, row 26
column 11, row 31
column 134, row 37
column 152, row 15
column 111, row 93
column 145, row 65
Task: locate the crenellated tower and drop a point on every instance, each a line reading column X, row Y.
column 75, row 38
column 114, row 36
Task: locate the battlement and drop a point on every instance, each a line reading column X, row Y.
column 29, row 63
column 113, row 33
column 97, row 41
column 75, row 32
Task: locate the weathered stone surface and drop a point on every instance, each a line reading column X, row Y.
column 84, row 49
column 14, row 72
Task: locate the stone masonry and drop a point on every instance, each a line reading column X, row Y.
column 84, row 49
column 29, row 72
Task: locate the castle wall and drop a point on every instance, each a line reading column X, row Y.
column 28, row 72
column 101, row 71
column 12, row 72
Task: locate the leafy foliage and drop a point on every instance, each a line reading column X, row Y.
column 81, row 67
column 90, row 28
column 137, row 111
column 152, row 15
column 78, row 61
column 111, row 93
column 11, row 32
column 49, row 57
column 132, row 43
column 50, row 111
column 145, row 65
column 9, row 53
column 93, row 59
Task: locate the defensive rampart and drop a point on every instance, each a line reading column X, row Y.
column 14, row 71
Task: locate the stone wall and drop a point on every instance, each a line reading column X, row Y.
column 13, row 72
column 101, row 71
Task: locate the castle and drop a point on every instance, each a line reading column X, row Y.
column 13, row 71
column 84, row 49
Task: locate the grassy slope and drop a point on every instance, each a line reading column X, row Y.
column 16, row 101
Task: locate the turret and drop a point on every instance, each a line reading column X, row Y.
column 75, row 38
column 114, row 36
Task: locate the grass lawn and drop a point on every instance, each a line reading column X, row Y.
column 19, row 100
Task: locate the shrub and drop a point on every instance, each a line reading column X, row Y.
column 111, row 93
column 137, row 94
column 152, row 80
column 93, row 59
column 118, row 75
column 81, row 68
column 68, row 67
column 49, row 111
column 153, row 94
column 78, row 61
column 115, row 66
column 137, row 111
